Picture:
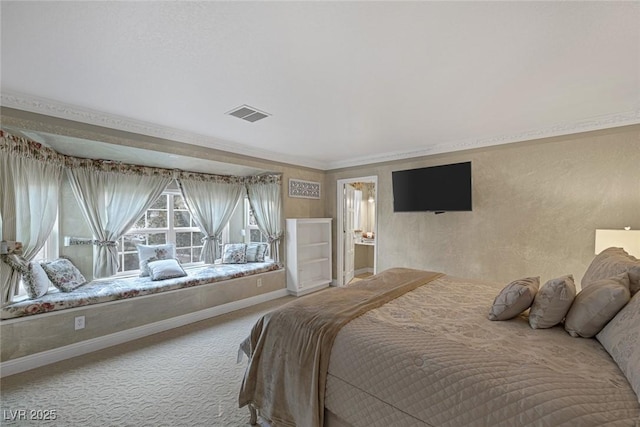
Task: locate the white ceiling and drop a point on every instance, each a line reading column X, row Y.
column 346, row 83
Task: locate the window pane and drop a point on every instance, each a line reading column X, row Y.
column 181, row 219
column 157, row 238
column 139, row 223
column 188, row 243
column 178, row 203
column 131, row 240
column 252, row 218
column 184, row 255
column 183, row 240
column 157, row 219
column 256, row 236
column 131, row 261
column 160, row 203
column 196, row 254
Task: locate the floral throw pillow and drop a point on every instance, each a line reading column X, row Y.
column 234, row 253
column 35, row 280
column 149, row 253
column 64, row 275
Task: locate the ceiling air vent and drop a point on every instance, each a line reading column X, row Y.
column 247, row 113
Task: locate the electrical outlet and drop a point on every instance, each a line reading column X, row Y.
column 259, row 283
column 79, row 323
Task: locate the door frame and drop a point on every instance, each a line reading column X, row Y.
column 340, row 224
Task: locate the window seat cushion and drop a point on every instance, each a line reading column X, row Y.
column 99, row 291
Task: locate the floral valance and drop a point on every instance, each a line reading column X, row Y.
column 25, row 147
column 204, row 177
column 116, row 167
column 267, row 178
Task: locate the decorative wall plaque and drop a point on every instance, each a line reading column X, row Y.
column 304, row 189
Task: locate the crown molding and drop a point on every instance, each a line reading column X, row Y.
column 61, row 110
column 64, row 111
column 626, row 118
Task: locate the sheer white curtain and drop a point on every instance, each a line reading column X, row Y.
column 211, row 201
column 30, row 177
column 265, row 197
column 111, row 201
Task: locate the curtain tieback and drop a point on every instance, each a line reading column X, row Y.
column 108, row 243
column 272, row 238
column 16, row 263
column 211, row 237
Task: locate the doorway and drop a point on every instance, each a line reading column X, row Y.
column 356, row 229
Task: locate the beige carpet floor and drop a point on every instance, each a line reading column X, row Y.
column 187, row 376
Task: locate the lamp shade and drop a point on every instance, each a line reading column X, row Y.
column 629, row 240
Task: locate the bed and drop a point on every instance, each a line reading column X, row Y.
column 431, row 357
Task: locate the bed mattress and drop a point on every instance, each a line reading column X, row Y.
column 432, row 358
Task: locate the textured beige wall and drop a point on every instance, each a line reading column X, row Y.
column 535, row 207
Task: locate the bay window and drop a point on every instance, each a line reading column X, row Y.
column 166, row 221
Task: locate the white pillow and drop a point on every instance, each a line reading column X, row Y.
column 35, row 280
column 256, row 252
column 165, row 269
column 148, row 253
column 234, row 253
column 621, row 338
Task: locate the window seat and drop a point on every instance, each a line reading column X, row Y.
column 99, row 291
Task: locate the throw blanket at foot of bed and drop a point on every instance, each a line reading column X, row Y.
column 289, row 348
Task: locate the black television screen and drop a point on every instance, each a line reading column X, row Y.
column 435, row 189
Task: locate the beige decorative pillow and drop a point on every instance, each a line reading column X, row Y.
column 596, row 305
column 611, row 262
column 621, row 338
column 552, row 302
column 515, row 298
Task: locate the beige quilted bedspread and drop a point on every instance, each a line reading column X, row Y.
column 432, row 358
column 289, row 347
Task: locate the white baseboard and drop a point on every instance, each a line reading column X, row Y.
column 363, row 270
column 32, row 361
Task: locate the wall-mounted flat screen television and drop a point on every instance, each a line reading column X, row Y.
column 434, row 189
